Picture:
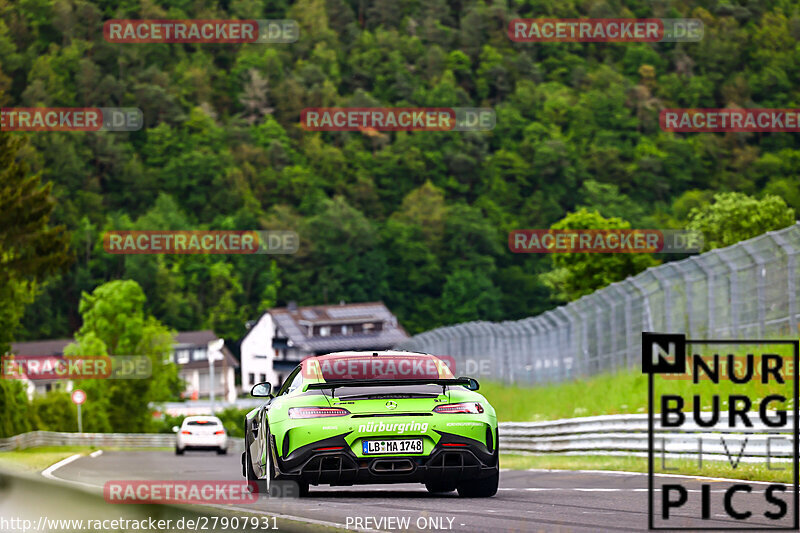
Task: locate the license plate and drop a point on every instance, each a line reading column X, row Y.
column 377, row 447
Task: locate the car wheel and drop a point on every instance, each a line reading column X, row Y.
column 222, row 451
column 178, row 451
column 303, row 488
column 480, row 488
column 436, row 487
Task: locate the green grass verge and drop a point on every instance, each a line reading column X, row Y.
column 608, row 394
column 39, row 458
column 747, row 471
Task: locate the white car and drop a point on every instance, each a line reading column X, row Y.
column 201, row 433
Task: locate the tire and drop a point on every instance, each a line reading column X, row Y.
column 222, row 451
column 178, row 451
column 303, row 488
column 480, row 488
column 254, row 484
column 435, row 487
column 485, row 487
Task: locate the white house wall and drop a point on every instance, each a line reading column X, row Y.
column 257, row 353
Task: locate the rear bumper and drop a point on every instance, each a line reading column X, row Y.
column 202, row 442
column 454, row 459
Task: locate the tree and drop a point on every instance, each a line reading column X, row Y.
column 470, row 295
column 115, row 323
column 735, row 217
column 30, row 249
column 578, row 274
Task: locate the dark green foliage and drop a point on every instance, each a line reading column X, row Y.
column 55, row 412
column 577, row 127
column 14, row 405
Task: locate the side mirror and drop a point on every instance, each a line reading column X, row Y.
column 175, row 429
column 473, row 384
column 262, row 390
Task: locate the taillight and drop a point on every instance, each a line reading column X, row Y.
column 219, row 433
column 454, row 408
column 317, row 412
column 186, row 432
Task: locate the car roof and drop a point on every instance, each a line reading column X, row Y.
column 201, row 417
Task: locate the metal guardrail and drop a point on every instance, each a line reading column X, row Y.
column 594, row 435
column 100, row 440
column 627, row 435
column 56, row 438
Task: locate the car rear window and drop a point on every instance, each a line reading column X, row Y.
column 202, row 423
column 389, row 367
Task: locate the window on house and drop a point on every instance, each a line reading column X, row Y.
column 345, row 330
column 183, row 357
column 251, row 378
column 368, row 327
column 324, row 331
column 198, row 354
column 262, row 378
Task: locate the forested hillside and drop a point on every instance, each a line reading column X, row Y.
column 416, row 219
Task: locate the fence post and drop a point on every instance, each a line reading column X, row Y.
column 791, row 282
column 603, row 294
column 760, row 274
column 709, row 276
column 733, row 277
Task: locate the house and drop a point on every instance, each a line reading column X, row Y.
column 190, row 353
column 282, row 337
column 46, row 347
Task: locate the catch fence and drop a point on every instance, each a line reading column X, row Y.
column 748, row 290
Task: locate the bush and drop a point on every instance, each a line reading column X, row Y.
column 55, row 412
column 16, row 412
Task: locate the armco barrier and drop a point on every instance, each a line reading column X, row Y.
column 627, row 435
column 53, row 438
column 98, row 440
column 594, row 435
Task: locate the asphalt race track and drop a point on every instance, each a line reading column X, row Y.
column 526, row 501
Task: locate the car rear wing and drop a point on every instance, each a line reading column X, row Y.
column 337, row 383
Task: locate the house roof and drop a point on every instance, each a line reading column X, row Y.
column 201, row 338
column 289, row 320
column 43, row 347
column 186, row 338
column 196, row 338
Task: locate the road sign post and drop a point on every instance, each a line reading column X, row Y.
column 78, row 397
column 213, row 353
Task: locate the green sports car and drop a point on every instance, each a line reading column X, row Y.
column 373, row 417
